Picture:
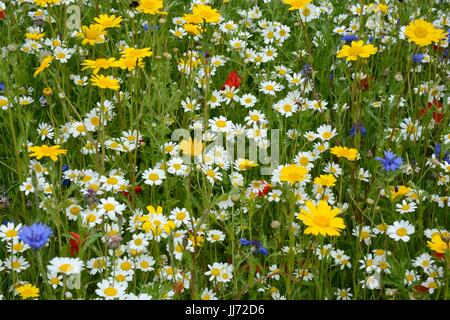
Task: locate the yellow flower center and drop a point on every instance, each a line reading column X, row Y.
column 11, row 233
column 287, row 108
column 66, row 267
column 120, row 278
column 110, row 291
column 109, row 207
column 215, row 272
column 99, row 263
column 112, row 180
column 401, row 232
column 126, row 265
column 221, row 123
column 180, row 215
column 74, row 211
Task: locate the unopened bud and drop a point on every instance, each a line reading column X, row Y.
column 114, row 241
column 275, row 224
column 398, row 77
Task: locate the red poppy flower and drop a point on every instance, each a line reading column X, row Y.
column 439, row 256
column 178, row 287
column 233, row 80
column 2, row 15
column 74, row 243
column 420, row 288
column 437, row 116
column 265, row 190
column 436, row 105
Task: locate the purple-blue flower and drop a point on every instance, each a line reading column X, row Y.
column 358, row 127
column 256, row 244
column 36, row 235
column 65, row 182
column 348, row 37
column 418, row 58
column 391, row 161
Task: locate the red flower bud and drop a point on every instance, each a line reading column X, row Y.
column 74, row 243
column 137, row 189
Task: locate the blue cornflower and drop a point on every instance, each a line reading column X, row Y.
column 2, row 86
column 263, row 251
column 255, row 244
column 348, row 37
column 65, row 182
column 358, row 127
column 437, row 150
column 437, row 153
column 36, row 235
column 418, row 58
column 391, row 161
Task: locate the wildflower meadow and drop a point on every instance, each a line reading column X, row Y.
column 224, row 150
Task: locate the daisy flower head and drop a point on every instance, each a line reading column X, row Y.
column 270, row 87
column 110, row 290
column 154, row 176
column 400, row 230
column 65, row 266
column 9, row 231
